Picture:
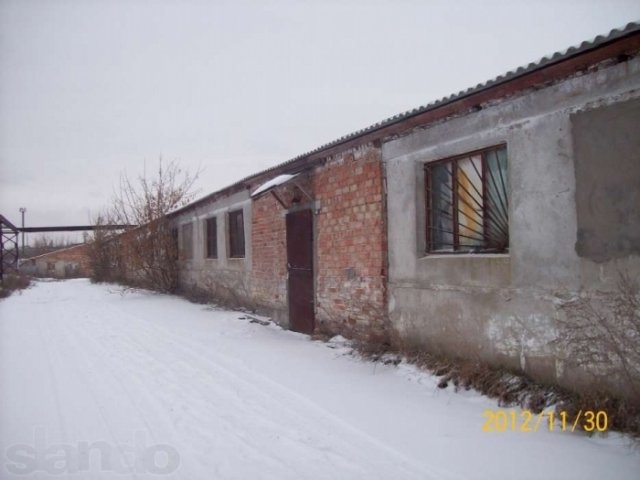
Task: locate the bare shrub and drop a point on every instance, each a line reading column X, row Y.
column 102, row 254
column 622, row 415
column 599, row 331
column 12, row 282
column 602, row 333
column 507, row 386
column 147, row 255
column 224, row 288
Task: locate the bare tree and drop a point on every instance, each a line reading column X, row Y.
column 146, row 255
column 103, row 252
column 45, row 244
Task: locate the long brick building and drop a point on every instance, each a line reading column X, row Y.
column 462, row 226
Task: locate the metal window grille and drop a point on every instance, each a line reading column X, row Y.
column 212, row 237
column 467, row 203
column 236, row 234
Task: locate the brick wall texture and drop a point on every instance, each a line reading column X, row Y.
column 269, row 260
column 350, row 245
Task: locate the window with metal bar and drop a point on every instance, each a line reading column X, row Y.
column 467, row 203
column 212, row 237
column 236, row 234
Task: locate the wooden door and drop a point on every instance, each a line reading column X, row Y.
column 300, row 268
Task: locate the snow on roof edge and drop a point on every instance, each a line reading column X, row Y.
column 274, row 182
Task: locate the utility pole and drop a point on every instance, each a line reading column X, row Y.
column 22, row 211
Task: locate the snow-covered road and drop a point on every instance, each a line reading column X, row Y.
column 99, row 384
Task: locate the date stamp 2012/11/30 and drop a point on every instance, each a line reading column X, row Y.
column 527, row 422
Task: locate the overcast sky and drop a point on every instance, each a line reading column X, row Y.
column 93, row 88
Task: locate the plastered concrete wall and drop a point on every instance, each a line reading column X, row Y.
column 607, row 159
column 224, row 278
column 505, row 308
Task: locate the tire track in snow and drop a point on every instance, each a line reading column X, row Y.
column 186, row 384
column 208, row 404
column 188, row 398
column 240, row 374
column 53, row 383
column 59, row 337
column 109, row 350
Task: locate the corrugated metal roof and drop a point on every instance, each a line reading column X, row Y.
column 597, row 42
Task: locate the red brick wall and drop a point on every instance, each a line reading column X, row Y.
column 351, row 245
column 269, row 253
column 269, row 247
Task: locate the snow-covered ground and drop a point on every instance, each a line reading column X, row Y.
column 139, row 385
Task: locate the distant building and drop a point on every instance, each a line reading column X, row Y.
column 70, row 262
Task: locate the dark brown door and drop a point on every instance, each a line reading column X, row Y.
column 300, row 268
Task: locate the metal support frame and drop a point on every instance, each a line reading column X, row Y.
column 306, row 194
column 9, row 254
column 273, row 190
column 277, row 197
column 8, row 247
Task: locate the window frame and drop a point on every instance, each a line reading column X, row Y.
column 186, row 253
column 237, row 242
column 174, row 246
column 211, row 244
column 488, row 218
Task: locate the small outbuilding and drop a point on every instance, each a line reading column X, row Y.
column 70, row 262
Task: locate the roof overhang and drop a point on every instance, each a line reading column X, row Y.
column 271, row 186
column 275, row 182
